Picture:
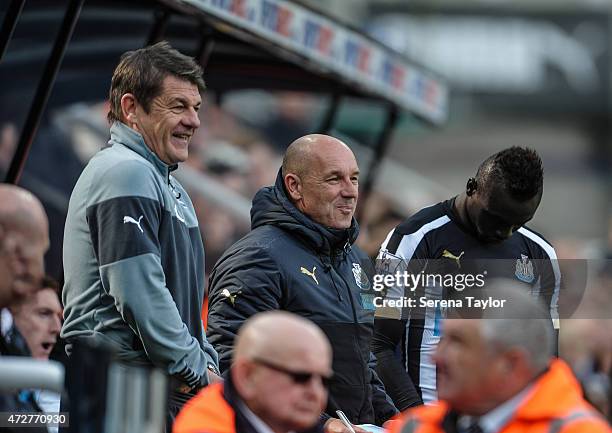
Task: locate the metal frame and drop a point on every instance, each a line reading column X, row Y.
column 43, row 91
column 331, row 114
column 204, row 51
column 162, row 17
column 207, row 45
column 8, row 25
column 382, row 144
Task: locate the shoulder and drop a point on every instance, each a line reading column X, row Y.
column 260, row 248
column 207, row 411
column 427, row 219
column 125, row 177
column 536, row 241
column 420, row 419
column 411, row 232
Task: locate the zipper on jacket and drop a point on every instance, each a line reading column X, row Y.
column 327, row 268
column 355, row 323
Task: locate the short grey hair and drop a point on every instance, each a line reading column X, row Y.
column 523, row 324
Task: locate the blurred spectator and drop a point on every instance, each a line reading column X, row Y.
column 228, row 164
column 277, row 382
column 495, row 375
column 291, row 120
column 38, row 318
column 379, row 218
column 24, row 238
column 263, row 162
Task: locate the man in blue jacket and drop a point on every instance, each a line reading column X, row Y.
column 133, row 255
column 299, row 258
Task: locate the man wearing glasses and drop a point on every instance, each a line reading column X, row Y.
column 281, row 367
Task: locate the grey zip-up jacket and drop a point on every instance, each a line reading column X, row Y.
column 134, row 261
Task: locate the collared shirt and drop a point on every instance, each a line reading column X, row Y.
column 259, row 425
column 6, row 321
column 494, row 420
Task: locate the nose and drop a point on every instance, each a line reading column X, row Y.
column 56, row 325
column 192, row 119
column 350, row 189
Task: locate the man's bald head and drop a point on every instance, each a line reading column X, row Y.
column 279, row 335
column 19, row 208
column 321, row 178
column 24, row 239
column 304, row 151
column 279, row 367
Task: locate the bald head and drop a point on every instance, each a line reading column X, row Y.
column 280, row 365
column 307, row 151
column 279, row 335
column 24, row 239
column 321, row 178
column 19, row 208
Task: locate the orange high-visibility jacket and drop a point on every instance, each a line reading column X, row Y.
column 207, row 412
column 555, row 406
column 215, row 410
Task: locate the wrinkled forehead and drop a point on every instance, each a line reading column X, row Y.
column 177, row 88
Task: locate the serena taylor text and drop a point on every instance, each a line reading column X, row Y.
column 424, row 301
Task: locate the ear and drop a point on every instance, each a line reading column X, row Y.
column 516, row 361
column 241, row 377
column 471, row 186
column 128, row 109
column 293, row 184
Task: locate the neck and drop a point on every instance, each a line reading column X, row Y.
column 461, row 210
column 276, row 428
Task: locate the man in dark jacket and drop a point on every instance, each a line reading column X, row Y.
column 299, row 258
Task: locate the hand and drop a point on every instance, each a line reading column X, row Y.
column 214, row 378
column 334, row 425
column 389, row 424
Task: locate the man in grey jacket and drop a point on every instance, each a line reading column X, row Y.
column 133, row 254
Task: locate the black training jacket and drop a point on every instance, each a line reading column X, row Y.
column 291, row 263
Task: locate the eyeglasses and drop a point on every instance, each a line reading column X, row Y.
column 300, row 377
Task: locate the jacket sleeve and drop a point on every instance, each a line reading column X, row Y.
column 241, row 284
column 390, row 322
column 384, row 409
column 388, row 334
column 124, row 224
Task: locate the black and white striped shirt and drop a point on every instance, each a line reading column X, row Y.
column 433, row 233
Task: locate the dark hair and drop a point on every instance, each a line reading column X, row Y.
column 517, row 169
column 142, row 72
column 48, row 282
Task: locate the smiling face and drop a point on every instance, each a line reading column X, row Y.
column 39, row 320
column 496, row 215
column 171, row 121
